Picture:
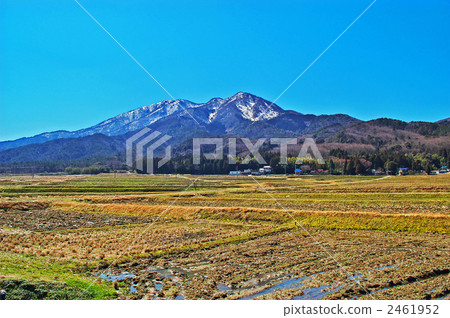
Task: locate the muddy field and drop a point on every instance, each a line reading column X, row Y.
column 272, row 237
column 47, row 220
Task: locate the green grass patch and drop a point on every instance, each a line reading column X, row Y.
column 30, row 277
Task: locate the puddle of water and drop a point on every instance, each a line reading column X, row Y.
column 132, row 289
column 355, row 277
column 116, row 277
column 289, row 283
column 179, row 297
column 386, row 266
column 223, row 287
column 169, row 273
column 158, row 286
column 161, row 271
column 309, row 293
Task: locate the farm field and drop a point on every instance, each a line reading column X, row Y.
column 126, row 236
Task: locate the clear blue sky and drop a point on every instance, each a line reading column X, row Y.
column 59, row 70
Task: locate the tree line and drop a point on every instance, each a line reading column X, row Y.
column 337, row 161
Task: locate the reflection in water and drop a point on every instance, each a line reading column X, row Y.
column 289, row 283
column 132, row 289
column 223, row 287
column 116, row 277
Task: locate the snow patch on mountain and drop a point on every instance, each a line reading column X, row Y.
column 256, row 112
column 226, row 112
column 213, row 115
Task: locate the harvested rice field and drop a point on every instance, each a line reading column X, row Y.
column 127, row 236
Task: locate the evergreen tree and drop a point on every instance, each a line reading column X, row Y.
column 428, row 169
column 331, row 165
column 359, row 168
column 351, row 167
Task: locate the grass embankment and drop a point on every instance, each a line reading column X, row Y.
column 31, row 277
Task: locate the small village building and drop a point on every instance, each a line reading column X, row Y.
column 267, row 169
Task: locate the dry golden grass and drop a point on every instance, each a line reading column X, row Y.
column 110, row 242
column 231, row 231
column 413, row 222
column 23, row 205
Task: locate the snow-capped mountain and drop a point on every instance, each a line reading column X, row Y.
column 242, row 106
column 250, row 107
column 137, row 118
column 243, row 113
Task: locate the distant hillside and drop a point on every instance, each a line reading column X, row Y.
column 444, row 120
column 243, row 115
column 396, row 135
column 438, row 129
column 73, row 149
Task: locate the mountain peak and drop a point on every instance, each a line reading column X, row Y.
column 218, row 115
column 214, row 100
column 244, row 95
column 252, row 107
